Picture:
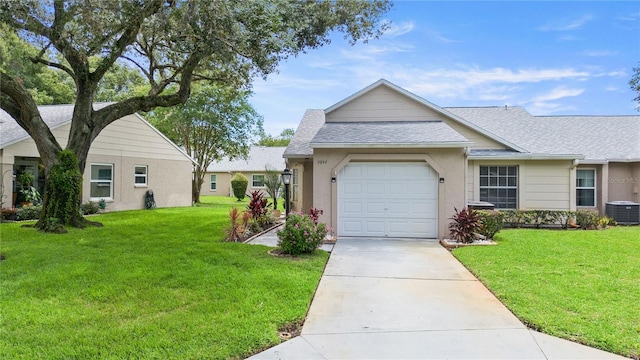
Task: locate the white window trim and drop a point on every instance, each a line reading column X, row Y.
column 594, row 187
column 253, row 181
column 213, row 182
column 516, row 187
column 110, row 198
column 146, row 176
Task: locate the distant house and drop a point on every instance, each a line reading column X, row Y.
column 128, row 158
column 217, row 179
column 386, row 163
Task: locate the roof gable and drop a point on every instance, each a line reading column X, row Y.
column 433, row 111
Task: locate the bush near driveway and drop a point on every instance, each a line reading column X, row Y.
column 579, row 285
column 149, row 284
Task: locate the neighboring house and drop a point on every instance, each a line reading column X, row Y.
column 128, row 158
column 387, row 163
column 217, row 179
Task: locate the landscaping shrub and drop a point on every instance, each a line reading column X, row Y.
column 465, row 225
column 257, row 205
column 491, row 222
column 239, row 184
column 235, row 231
column 8, row 213
column 89, row 208
column 29, row 212
column 314, row 214
column 588, row 219
column 301, row 235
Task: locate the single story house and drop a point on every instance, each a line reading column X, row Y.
column 128, row 158
column 387, row 163
column 217, row 179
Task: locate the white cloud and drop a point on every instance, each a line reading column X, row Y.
column 557, row 93
column 566, row 24
column 599, row 53
column 398, row 29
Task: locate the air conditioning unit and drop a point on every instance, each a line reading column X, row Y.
column 624, row 212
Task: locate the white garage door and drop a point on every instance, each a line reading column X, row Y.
column 388, row 200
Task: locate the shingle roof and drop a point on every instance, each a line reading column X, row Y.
column 598, row 138
column 53, row 115
column 299, row 145
column 259, row 158
column 400, row 133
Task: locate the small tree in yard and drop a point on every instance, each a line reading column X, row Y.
column 272, row 184
column 172, row 43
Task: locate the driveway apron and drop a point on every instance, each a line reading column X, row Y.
column 411, row 299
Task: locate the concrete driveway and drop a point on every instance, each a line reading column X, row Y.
column 403, row 299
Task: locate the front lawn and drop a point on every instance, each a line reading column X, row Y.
column 149, row 284
column 578, row 285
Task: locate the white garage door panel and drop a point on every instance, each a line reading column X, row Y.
column 388, row 200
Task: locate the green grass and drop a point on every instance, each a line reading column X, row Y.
column 579, row 285
column 149, row 284
column 209, row 200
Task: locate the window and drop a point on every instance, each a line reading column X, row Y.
column 101, row 181
column 140, row 175
column 499, row 186
column 257, row 180
column 586, row 187
column 295, row 182
column 213, row 182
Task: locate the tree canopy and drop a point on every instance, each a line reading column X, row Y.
column 634, row 84
column 282, row 140
column 172, row 43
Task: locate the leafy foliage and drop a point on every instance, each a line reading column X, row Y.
column 239, row 184
column 235, row 231
column 634, row 85
column 314, row 214
column 257, row 205
column 301, row 235
column 588, row 219
column 465, row 225
column 272, row 184
column 63, row 194
column 89, row 208
column 282, row 140
column 491, row 222
column 29, row 212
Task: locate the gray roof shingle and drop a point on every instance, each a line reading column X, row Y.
column 258, row 159
column 53, row 115
column 402, row 133
column 598, row 138
column 299, row 145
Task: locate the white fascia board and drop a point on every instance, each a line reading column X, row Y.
column 390, row 146
column 528, row 156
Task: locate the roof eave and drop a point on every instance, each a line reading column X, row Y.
column 443, row 144
column 527, row 156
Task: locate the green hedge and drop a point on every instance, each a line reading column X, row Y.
column 585, row 219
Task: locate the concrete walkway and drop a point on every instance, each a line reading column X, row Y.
column 400, row 299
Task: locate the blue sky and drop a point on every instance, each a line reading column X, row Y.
column 552, row 58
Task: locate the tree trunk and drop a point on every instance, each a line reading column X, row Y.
column 195, row 190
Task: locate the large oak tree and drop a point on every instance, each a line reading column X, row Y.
column 173, row 43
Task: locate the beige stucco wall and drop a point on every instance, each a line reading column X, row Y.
column 127, row 142
column 170, row 181
column 303, row 200
column 448, row 163
column 542, row 184
column 623, row 181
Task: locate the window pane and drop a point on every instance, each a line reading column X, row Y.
column 585, row 197
column 141, row 170
column 213, row 182
column 100, row 189
column 257, row 181
column 101, row 172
